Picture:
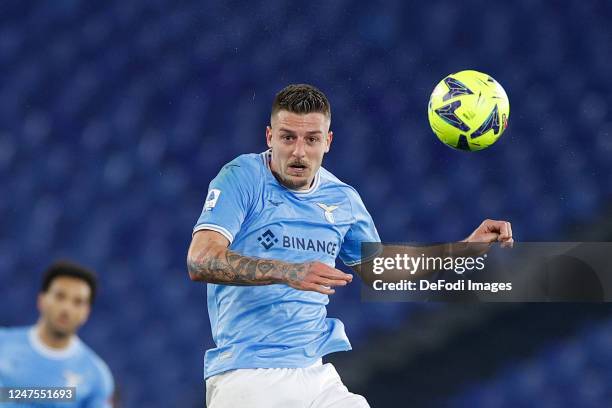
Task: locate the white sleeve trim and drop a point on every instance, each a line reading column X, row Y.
column 215, row 228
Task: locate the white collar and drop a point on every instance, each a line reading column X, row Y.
column 267, row 155
column 52, row 353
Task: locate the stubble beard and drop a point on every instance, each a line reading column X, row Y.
column 56, row 332
column 290, row 182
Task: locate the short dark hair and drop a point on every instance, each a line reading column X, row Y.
column 302, row 99
column 73, row 270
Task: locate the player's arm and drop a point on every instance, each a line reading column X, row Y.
column 365, row 269
column 210, row 260
column 102, row 390
column 488, row 232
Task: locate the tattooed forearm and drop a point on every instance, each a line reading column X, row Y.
column 230, row 268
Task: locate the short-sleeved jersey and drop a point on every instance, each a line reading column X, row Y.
column 276, row 326
column 26, row 362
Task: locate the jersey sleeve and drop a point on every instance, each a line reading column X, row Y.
column 103, row 391
column 362, row 230
column 229, row 199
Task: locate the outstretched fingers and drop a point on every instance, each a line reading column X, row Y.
column 328, row 272
column 322, row 278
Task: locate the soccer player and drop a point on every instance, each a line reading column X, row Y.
column 266, row 242
column 49, row 354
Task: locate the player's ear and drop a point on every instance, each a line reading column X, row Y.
column 269, row 136
column 86, row 314
column 39, row 302
column 330, row 136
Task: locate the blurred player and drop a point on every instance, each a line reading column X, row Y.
column 266, row 242
column 49, row 354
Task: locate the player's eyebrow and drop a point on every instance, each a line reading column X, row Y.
column 310, row 132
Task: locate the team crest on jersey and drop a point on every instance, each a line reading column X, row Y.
column 211, row 199
column 328, row 212
column 72, row 379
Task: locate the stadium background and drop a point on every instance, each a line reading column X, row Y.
column 114, row 116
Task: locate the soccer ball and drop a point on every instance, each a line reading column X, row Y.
column 468, row 110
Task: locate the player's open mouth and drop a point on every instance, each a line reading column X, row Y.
column 63, row 320
column 298, row 169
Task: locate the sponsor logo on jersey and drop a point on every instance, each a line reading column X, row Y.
column 308, row 244
column 269, row 240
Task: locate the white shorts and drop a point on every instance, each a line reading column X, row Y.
column 317, row 386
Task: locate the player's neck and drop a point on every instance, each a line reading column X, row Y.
column 50, row 338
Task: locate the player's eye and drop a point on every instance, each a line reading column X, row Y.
column 287, row 137
column 313, row 140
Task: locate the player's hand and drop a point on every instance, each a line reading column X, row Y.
column 318, row 277
column 493, row 231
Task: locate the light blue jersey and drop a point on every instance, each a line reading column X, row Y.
column 276, row 326
column 26, row 362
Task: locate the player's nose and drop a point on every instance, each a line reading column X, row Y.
column 299, row 149
column 65, row 311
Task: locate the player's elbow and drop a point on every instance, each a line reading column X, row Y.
column 193, row 275
column 195, row 268
column 203, row 257
column 202, row 263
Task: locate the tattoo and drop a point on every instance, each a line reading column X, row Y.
column 230, row 268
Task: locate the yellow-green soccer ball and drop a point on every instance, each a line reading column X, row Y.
column 468, row 110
